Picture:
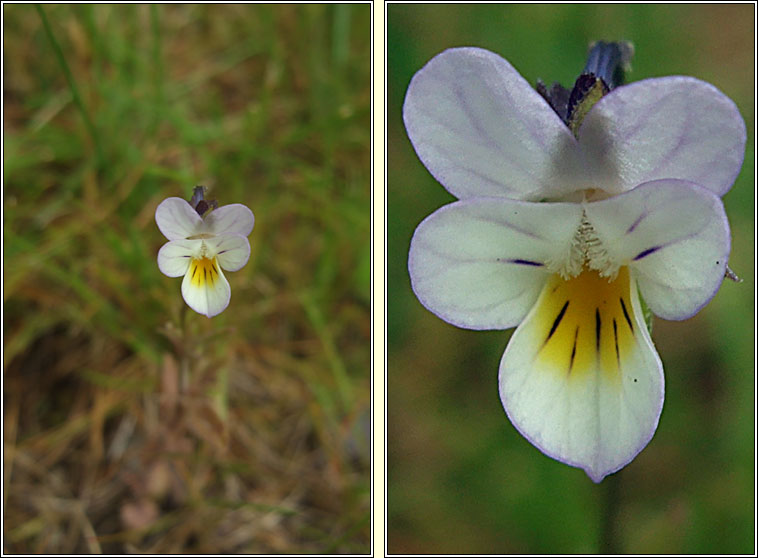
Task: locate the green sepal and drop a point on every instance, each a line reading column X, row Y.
column 646, row 313
column 588, row 99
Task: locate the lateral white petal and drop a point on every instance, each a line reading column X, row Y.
column 176, row 219
column 671, row 127
column 580, row 378
column 230, row 219
column 205, row 289
column 174, row 257
column 674, row 235
column 480, row 263
column 232, row 251
column 482, row 130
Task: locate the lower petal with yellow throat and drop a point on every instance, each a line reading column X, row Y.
column 581, row 378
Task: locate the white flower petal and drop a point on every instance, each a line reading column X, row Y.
column 232, row 251
column 480, row 263
column 205, row 289
column 174, row 257
column 580, row 378
column 674, row 235
column 230, row 219
column 672, row 127
column 176, row 219
column 482, row 130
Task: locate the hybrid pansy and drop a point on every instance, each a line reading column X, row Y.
column 203, row 241
column 563, row 231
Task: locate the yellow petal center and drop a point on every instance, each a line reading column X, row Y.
column 203, row 272
column 587, row 323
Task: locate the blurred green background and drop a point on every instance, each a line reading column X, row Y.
column 133, row 424
column 460, row 478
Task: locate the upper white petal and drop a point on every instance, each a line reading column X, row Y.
column 482, row 130
column 176, row 219
column 480, row 263
column 671, row 127
column 232, row 251
column 586, row 388
column 674, row 235
column 209, row 296
column 230, row 219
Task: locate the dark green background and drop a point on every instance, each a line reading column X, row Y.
column 460, row 478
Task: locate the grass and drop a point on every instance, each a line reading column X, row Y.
column 133, row 424
column 460, row 478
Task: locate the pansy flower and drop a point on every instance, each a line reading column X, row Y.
column 565, row 229
column 203, row 240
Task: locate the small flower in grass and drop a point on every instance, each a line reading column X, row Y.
column 203, row 240
column 573, row 207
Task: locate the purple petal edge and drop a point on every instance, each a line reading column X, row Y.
column 727, row 248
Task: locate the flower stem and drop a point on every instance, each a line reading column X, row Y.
column 184, row 363
column 609, row 543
